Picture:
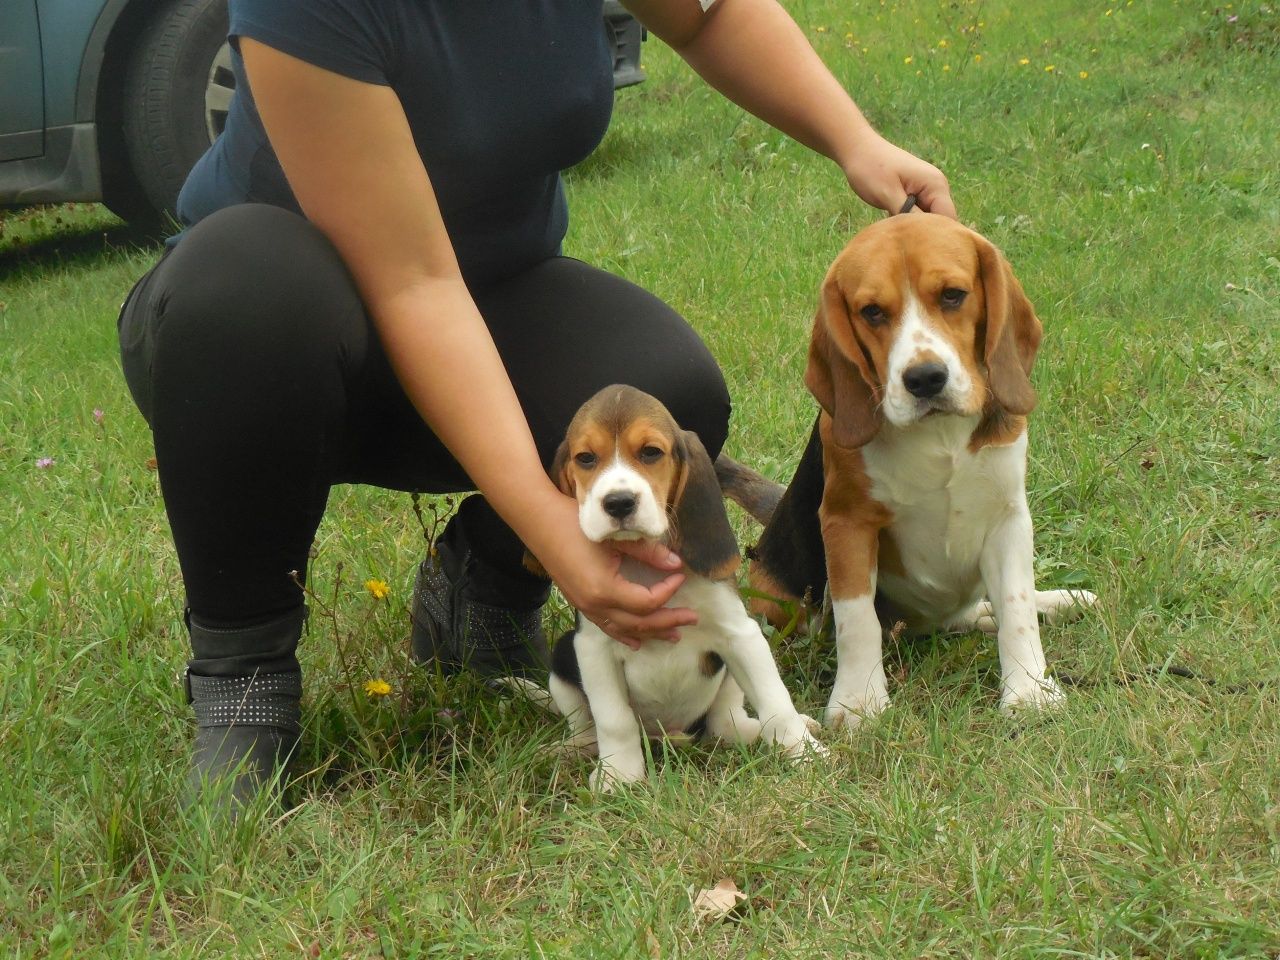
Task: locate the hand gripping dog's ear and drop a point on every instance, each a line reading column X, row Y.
column 838, row 373
column 702, row 534
column 1012, row 334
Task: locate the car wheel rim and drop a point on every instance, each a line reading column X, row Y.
column 218, row 93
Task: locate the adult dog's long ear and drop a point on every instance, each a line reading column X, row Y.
column 702, row 534
column 1012, row 334
column 560, row 474
column 838, row 373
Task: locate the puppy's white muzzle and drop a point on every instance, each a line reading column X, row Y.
column 621, row 505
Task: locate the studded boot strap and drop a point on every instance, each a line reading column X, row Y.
column 263, row 699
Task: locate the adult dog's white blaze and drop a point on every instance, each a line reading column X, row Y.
column 916, row 342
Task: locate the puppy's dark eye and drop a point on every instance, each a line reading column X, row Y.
column 650, row 454
column 874, row 314
column 586, row 459
column 952, row 297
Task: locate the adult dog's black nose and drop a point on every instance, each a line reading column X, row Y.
column 619, row 504
column 925, row 380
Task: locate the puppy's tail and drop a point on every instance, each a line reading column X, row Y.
column 756, row 494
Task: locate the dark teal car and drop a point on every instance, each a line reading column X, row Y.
column 115, row 100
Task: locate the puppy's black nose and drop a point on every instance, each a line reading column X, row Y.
column 925, row 380
column 619, row 504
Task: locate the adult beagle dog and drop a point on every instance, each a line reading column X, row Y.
column 909, row 503
column 637, row 475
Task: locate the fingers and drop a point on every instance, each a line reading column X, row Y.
column 885, row 176
column 938, row 200
column 653, row 553
column 632, row 630
column 635, row 613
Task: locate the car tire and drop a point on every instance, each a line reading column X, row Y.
column 172, row 66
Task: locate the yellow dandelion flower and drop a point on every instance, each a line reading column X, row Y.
column 908, row 59
column 942, row 44
column 1084, row 74
column 377, row 688
column 1050, row 68
column 946, row 67
column 378, row 588
column 1023, row 61
column 977, row 58
column 822, row 29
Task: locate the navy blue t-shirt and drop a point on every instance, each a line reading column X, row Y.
column 500, row 97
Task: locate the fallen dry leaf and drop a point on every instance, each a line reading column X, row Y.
column 718, row 902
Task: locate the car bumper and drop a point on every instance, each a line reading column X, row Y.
column 68, row 169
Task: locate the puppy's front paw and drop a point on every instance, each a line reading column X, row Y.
column 807, row 748
column 745, row 729
column 794, row 737
column 608, row 776
column 1029, row 693
column 849, row 714
column 579, row 745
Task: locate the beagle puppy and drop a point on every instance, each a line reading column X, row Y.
column 909, row 503
column 637, row 475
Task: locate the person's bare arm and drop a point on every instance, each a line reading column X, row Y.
column 347, row 151
column 753, row 53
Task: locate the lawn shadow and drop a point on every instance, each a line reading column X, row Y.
column 73, row 243
column 619, row 149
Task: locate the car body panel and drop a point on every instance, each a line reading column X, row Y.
column 22, row 99
column 74, row 44
column 59, row 98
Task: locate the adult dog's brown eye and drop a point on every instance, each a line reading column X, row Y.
column 586, row 459
column 952, row 297
column 874, row 314
column 650, row 454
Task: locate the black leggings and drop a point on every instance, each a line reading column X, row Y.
column 250, row 354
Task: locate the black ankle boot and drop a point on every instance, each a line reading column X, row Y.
column 245, row 686
column 246, row 731
column 454, row 629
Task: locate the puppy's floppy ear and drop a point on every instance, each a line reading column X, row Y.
column 1012, row 334
column 702, row 534
column 560, row 473
column 839, row 374
column 562, row 477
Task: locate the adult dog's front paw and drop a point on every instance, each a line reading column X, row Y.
column 1025, row 692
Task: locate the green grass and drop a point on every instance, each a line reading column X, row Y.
column 1140, row 206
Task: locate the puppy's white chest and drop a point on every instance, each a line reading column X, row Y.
column 670, row 685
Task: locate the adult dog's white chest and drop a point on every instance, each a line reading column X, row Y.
column 944, row 500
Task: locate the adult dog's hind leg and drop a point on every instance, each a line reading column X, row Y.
column 1063, row 606
column 1052, row 606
